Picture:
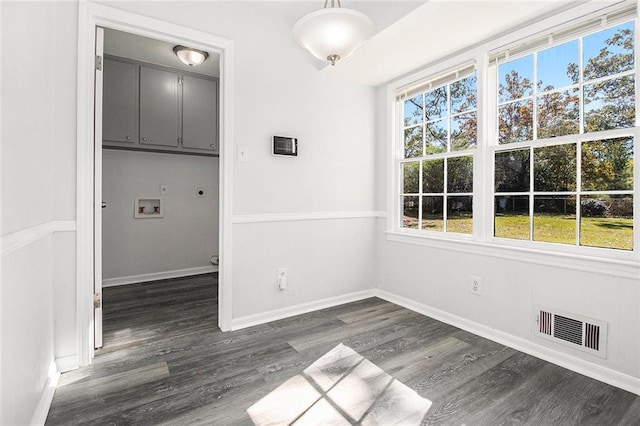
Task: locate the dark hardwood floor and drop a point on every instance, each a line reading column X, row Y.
column 165, row 361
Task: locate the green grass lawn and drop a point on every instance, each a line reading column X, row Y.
column 594, row 232
column 603, row 232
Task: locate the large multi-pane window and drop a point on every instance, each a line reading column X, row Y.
column 440, row 133
column 563, row 171
column 557, row 153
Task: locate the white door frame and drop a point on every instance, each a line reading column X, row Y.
column 90, row 16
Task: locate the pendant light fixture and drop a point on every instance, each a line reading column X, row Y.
column 189, row 56
column 332, row 33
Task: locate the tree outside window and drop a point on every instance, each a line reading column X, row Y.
column 578, row 190
column 440, row 133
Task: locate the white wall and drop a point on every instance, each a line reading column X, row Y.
column 323, row 258
column 185, row 238
column 27, row 331
column 439, row 279
column 29, row 134
column 279, row 90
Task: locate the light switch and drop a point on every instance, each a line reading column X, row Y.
column 243, row 154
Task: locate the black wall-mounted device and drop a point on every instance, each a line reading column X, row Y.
column 285, row 145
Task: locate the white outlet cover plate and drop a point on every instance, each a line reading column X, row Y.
column 476, row 285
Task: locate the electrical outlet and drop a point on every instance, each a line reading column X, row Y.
column 476, row 285
column 282, row 279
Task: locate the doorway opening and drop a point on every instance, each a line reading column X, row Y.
column 160, row 186
column 89, row 214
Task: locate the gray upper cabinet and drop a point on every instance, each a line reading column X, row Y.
column 199, row 114
column 119, row 113
column 155, row 108
column 159, row 123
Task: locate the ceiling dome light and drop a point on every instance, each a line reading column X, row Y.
column 333, row 32
column 189, row 56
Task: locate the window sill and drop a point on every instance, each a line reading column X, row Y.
column 626, row 268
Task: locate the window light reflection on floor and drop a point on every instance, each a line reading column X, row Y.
column 340, row 388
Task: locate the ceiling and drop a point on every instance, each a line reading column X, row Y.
column 436, row 30
column 413, row 34
column 125, row 45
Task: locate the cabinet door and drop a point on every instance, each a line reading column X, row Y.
column 119, row 102
column 158, row 107
column 200, row 114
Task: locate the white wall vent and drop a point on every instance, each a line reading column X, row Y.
column 573, row 330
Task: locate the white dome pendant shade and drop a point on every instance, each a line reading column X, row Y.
column 332, row 33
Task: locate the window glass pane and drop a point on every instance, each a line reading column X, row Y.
column 433, row 176
column 411, row 177
column 515, row 79
column 413, row 142
column 413, row 111
column 463, row 131
column 608, row 52
column 558, row 114
column 436, row 137
column 460, row 214
column 558, row 66
column 515, row 122
column 435, row 103
column 554, row 219
column 463, row 95
column 432, row 213
column 410, row 211
column 512, row 217
column 460, row 174
column 607, row 165
column 607, row 221
column 554, row 168
column 512, row 171
column 609, row 104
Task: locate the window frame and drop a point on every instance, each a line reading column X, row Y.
column 483, row 241
column 444, row 156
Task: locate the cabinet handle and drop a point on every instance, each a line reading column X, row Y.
column 144, row 139
column 128, row 138
column 212, row 146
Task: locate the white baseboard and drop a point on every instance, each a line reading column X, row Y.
column 581, row 366
column 67, row 363
column 265, row 317
column 44, row 404
column 142, row 278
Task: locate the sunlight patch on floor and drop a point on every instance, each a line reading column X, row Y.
column 340, row 388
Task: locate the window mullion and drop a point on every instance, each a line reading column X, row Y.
column 445, row 195
column 534, row 100
column 578, row 190
column 580, row 89
column 420, row 191
column 531, row 196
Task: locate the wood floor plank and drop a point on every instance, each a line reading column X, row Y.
column 116, row 382
column 166, row 362
column 481, row 392
column 632, row 416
